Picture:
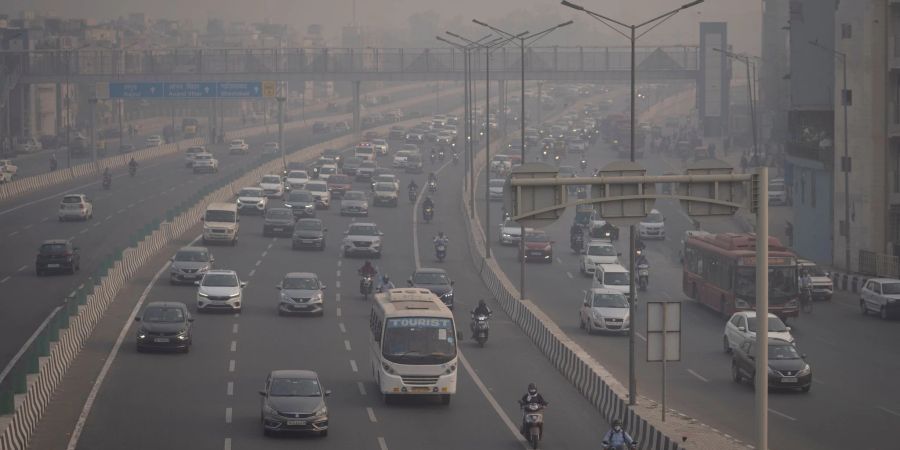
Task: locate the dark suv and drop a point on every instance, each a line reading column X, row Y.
column 278, row 222
column 57, row 255
column 164, row 326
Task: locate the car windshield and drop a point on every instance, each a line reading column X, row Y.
column 775, row 324
column 654, row 218
column 537, row 237
column 306, row 283
column 367, row 165
column 384, row 187
column 317, row 187
column 220, row 280
column 355, row 195
column 386, row 178
column 783, row 352
column 251, row 193
column 890, row 288
column 202, row 157
column 192, row 255
column 497, row 183
column 271, row 179
column 297, row 174
column 163, row 314
column 53, row 249
column 815, row 271
column 379, row 142
column 327, row 170
column 308, row 225
column 615, row 279
column 363, row 230
column 279, row 213
column 300, row 197
column 601, row 250
column 430, row 278
column 609, row 301
column 71, row 199
column 232, row 142
column 294, row 387
column 419, row 340
column 364, row 150
column 219, row 216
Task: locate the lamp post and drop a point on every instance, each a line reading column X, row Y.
column 531, row 38
column 750, row 98
column 281, row 99
column 845, row 161
column 632, row 37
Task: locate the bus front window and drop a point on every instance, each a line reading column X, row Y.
column 419, row 340
column 782, row 283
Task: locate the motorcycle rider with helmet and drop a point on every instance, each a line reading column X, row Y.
column 617, row 438
column 367, row 269
column 532, row 396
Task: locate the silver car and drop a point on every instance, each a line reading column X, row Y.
column 604, row 310
column 362, row 238
column 301, row 292
column 354, row 203
column 294, row 400
column 190, row 264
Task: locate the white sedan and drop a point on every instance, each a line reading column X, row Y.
column 598, row 252
column 297, row 179
column 510, row 232
column 272, row 186
column 742, row 327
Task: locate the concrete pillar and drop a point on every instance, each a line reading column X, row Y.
column 23, row 118
column 59, row 110
column 501, row 110
column 357, row 129
column 539, row 105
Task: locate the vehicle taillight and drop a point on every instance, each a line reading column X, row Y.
column 80, row 206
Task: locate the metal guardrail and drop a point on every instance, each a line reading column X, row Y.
column 878, row 264
column 124, row 63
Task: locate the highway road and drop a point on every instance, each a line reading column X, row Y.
column 118, row 214
column 208, row 398
column 853, row 358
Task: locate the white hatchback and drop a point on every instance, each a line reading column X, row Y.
column 598, row 252
column 75, row 206
column 741, row 327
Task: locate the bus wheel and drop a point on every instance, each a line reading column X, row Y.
column 388, row 399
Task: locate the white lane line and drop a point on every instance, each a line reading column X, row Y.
column 559, row 260
column 5, row 279
column 342, row 327
column 640, row 336
column 347, row 345
column 108, row 217
column 234, row 346
column 98, row 224
column 698, row 376
column 269, row 247
column 569, row 274
column 337, row 312
column 228, row 415
column 337, row 284
column 361, row 387
column 337, row 296
column 339, row 263
column 231, row 364
column 264, row 253
column 130, row 205
column 229, row 390
column 353, row 366
column 98, row 383
column 45, row 219
column 778, row 413
column 371, row 413
column 121, row 211
column 252, row 272
column 889, row 411
column 258, row 262
column 13, row 233
column 513, row 427
column 234, row 328
column 84, row 231
column 22, row 268
column 381, row 444
column 227, row 444
column 26, row 227
column 338, row 273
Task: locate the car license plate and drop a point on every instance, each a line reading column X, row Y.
column 421, row 389
column 161, row 340
column 52, row 266
column 308, row 241
column 296, row 422
column 277, row 229
column 788, row 379
column 535, row 253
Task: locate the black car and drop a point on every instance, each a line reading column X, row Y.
column 334, row 153
column 308, row 233
column 164, row 326
column 278, row 222
column 435, row 280
column 787, row 367
column 302, row 203
column 351, row 163
column 57, row 255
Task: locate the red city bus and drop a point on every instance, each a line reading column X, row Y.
column 720, row 272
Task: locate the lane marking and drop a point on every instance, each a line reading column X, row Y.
column 269, row 247
column 26, row 227
column 338, row 312
column 252, row 272
column 338, row 273
column 108, row 217
column 371, row 413
column 258, row 262
column 640, row 336
column 337, row 284
column 121, row 211
column 25, row 267
column 84, row 231
column 342, row 327
column 227, row 443
column 337, row 296
column 13, row 233
column 381, row 444
column 45, row 219
column 231, row 364
column 778, row 413
column 513, row 428
column 699, row 377
column 234, row 328
column 339, row 262
column 229, row 390
column 559, row 260
column 569, row 274
column 130, row 205
column 234, row 346
column 101, row 377
column 889, row 411
column 5, row 279
column 353, row 366
column 228, row 415
column 98, row 224
column 264, row 253
column 361, row 387
column 347, row 345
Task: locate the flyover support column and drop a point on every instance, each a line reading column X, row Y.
column 539, row 105
column 58, row 110
column 502, row 119
column 357, row 129
column 23, row 118
column 92, row 102
column 211, row 121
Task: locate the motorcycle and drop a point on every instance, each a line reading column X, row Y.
column 643, row 270
column 577, row 242
column 412, row 195
column 132, row 170
column 440, row 251
column 534, row 423
column 432, row 158
column 432, row 186
column 441, row 155
column 583, row 165
column 557, row 159
column 365, row 286
column 606, row 446
column 428, row 214
column 107, row 182
column 544, row 155
column 480, row 328
column 455, row 159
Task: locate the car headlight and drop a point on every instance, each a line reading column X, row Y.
column 182, row 336
column 891, row 300
column 804, row 371
column 239, row 203
column 142, row 334
column 548, row 248
column 376, row 243
column 203, row 294
column 506, row 235
column 793, row 304
column 596, row 315
column 316, row 298
column 450, row 369
column 261, row 203
column 447, row 294
column 321, row 412
column 270, row 410
column 387, row 368
column 234, row 295
column 771, row 372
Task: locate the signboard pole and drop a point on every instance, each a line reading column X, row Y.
column 665, row 311
column 762, row 308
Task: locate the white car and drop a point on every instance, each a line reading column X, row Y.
column 75, row 206
column 495, row 188
column 400, row 159
column 880, row 295
column 7, row 166
column 653, row 226
column 220, row 289
column 741, row 327
column 238, row 146
column 604, row 310
column 326, row 171
column 598, row 252
column 500, row 163
column 153, row 141
column 612, row 276
column 386, row 193
column 319, row 190
column 362, row 237
column 386, row 178
column 252, row 200
column 822, row 286
column 191, row 153
column 205, row 162
column 297, row 179
column 510, row 232
column 270, row 148
column 272, row 186
column 381, row 146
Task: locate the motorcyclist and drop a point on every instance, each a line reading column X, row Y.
column 805, row 287
column 367, row 269
column 53, row 162
column 617, row 437
column 132, row 163
column 432, row 177
column 532, row 396
column 482, row 309
column 412, row 186
column 441, row 239
column 641, row 259
column 386, row 283
column 427, row 203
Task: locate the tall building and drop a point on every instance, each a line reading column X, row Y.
column 773, row 84
column 809, row 146
column 868, row 32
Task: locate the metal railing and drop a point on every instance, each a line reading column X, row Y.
column 878, row 264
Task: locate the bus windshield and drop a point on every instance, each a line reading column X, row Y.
column 782, row 283
column 419, row 340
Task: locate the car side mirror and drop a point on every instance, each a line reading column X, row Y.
column 278, row 286
column 137, row 319
column 323, row 287
column 459, row 335
column 324, row 229
column 803, row 355
column 243, row 284
column 262, row 393
column 172, row 259
column 327, row 392
column 212, row 260
column 742, row 328
column 76, row 248
column 196, row 283
column 788, row 328
column 381, row 233
column 346, row 233
column 190, row 319
column 751, row 357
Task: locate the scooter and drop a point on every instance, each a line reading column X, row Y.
column 441, row 155
column 412, row 195
column 583, row 165
column 107, row 182
column 456, row 159
column 440, row 251
column 432, row 186
column 534, row 423
column 428, row 214
column 365, row 286
column 643, row 276
column 607, row 446
column 132, row 170
column 577, row 243
column 480, row 328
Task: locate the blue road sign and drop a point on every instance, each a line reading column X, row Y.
column 188, row 90
column 136, row 90
column 240, row 89
column 191, row 90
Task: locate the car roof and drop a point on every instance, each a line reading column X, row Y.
column 279, row 209
column 599, row 242
column 300, row 275
column 430, row 270
column 294, row 373
column 310, row 219
column 600, row 290
column 885, row 280
column 613, row 268
column 368, row 224
column 750, row 314
column 55, row 241
column 221, row 272
column 316, row 182
column 355, row 192
column 191, row 248
column 255, row 188
column 166, row 305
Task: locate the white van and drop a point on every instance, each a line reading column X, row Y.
column 220, row 223
column 611, row 276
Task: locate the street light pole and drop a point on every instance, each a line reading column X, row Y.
column 632, row 37
column 281, row 99
column 750, row 97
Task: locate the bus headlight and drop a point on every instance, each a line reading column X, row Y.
column 387, row 368
column 450, row 369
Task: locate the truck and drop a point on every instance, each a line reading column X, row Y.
column 190, row 127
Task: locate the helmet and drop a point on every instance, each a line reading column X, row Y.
column 483, row 303
column 386, row 278
column 616, row 423
column 440, row 234
column 532, row 389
